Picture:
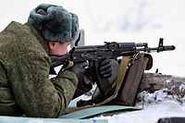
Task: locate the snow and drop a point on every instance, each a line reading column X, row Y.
column 123, row 21
column 150, row 114
column 155, row 105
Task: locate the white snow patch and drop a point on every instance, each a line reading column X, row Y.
column 155, row 105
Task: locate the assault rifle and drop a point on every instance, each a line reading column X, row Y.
column 91, row 55
column 110, row 50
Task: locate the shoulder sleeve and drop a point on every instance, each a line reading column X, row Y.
column 34, row 92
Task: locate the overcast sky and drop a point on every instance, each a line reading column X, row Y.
column 122, row 21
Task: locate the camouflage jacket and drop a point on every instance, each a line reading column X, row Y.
column 25, row 87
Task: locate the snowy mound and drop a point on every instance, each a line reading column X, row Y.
column 161, row 103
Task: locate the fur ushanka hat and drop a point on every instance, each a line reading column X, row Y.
column 54, row 23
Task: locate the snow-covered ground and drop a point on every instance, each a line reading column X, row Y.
column 123, row 21
column 150, row 114
column 156, row 105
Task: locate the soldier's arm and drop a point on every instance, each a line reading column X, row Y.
column 35, row 94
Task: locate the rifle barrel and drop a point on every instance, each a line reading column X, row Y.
column 156, row 49
column 166, row 48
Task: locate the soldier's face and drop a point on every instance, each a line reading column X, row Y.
column 56, row 48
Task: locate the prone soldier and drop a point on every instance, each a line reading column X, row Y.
column 25, row 51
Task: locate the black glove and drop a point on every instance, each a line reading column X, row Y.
column 84, row 84
column 79, row 70
column 107, row 70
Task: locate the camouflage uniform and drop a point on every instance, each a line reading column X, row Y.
column 24, row 70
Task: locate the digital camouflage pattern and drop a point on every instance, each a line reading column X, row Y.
column 25, row 87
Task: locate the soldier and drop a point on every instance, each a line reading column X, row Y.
column 25, row 50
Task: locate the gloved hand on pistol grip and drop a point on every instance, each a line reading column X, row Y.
column 108, row 69
column 79, row 70
column 84, row 84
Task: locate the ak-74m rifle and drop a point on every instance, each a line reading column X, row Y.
column 110, row 50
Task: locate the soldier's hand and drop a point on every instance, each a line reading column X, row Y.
column 79, row 69
column 108, row 69
column 107, row 73
column 85, row 83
